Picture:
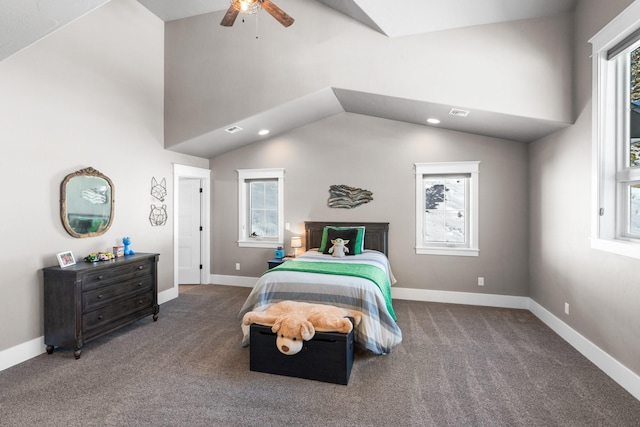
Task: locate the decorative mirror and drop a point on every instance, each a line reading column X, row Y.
column 86, row 203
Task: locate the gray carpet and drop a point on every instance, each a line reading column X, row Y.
column 457, row 366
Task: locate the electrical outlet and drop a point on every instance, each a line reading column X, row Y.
column 480, row 281
column 237, row 266
column 566, row 308
column 287, row 226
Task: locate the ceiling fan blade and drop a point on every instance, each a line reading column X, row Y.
column 276, row 12
column 230, row 16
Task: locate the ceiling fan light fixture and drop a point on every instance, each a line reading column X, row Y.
column 248, row 7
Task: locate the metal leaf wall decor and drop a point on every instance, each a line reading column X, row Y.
column 345, row 197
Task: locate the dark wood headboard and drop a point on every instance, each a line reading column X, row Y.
column 376, row 234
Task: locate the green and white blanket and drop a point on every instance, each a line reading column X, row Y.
column 359, row 282
column 366, row 271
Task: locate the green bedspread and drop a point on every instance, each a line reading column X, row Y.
column 365, row 271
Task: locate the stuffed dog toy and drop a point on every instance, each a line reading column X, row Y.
column 294, row 322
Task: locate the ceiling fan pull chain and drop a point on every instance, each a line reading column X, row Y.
column 256, row 26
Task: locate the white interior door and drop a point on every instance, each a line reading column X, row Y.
column 190, row 231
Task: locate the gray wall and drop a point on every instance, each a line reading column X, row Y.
column 378, row 155
column 602, row 289
column 90, row 94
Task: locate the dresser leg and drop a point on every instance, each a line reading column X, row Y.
column 78, row 350
column 49, row 349
column 156, row 310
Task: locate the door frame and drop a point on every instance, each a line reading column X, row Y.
column 183, row 171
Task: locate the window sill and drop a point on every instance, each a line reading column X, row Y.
column 619, row 247
column 448, row 251
column 271, row 244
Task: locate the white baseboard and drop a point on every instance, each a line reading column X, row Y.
column 21, row 352
column 467, row 298
column 626, row 378
column 242, row 281
column 30, row 349
column 167, row 295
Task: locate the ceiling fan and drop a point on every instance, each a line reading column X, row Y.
column 251, row 7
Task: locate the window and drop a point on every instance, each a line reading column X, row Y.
column 616, row 135
column 447, row 208
column 261, row 215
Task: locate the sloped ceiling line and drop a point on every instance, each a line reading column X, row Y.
column 353, row 10
column 331, row 101
column 23, row 22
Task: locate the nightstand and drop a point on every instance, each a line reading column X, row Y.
column 275, row 262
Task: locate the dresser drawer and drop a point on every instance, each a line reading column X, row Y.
column 105, row 276
column 117, row 309
column 106, row 294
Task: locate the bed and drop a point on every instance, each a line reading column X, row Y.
column 320, row 278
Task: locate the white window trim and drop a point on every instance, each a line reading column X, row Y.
column 249, row 174
column 605, row 206
column 448, row 168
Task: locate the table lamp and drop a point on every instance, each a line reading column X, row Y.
column 295, row 244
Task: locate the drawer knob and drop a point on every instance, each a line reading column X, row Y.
column 140, row 267
column 100, row 277
column 139, row 284
column 100, row 296
column 100, row 317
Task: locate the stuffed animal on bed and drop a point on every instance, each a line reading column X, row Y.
column 339, row 248
column 294, row 322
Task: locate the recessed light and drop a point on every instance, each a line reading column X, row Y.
column 433, row 121
column 263, row 132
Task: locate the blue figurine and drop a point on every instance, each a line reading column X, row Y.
column 127, row 246
column 279, row 252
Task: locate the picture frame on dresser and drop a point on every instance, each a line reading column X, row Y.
column 65, row 259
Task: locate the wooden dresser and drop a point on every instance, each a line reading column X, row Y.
column 87, row 300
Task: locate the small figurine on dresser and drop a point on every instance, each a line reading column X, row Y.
column 127, row 246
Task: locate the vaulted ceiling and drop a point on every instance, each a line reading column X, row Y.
column 23, row 22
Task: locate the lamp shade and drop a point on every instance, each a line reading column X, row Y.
column 296, row 242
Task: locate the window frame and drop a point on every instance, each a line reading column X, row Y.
column 611, row 174
column 245, row 177
column 441, row 169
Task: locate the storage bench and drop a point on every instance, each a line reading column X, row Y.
column 327, row 357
